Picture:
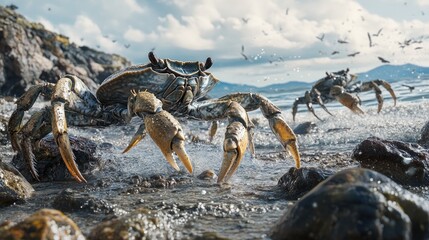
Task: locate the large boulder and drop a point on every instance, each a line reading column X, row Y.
column 29, row 52
column 406, row 163
column 356, row 203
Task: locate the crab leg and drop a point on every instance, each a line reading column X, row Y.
column 366, row 86
column 279, row 127
column 162, row 127
column 348, row 100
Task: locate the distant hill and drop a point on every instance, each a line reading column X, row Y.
column 396, row 72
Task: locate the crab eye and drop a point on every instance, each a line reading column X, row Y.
column 208, row 63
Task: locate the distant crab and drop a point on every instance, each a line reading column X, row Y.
column 340, row 86
column 156, row 92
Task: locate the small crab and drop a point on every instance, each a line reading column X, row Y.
column 340, row 86
column 157, row 92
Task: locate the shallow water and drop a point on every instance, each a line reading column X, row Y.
column 245, row 208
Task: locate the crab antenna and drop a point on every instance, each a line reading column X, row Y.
column 208, row 63
column 133, row 92
column 152, row 58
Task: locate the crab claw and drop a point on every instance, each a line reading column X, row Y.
column 234, row 147
column 348, row 100
column 59, row 130
column 286, row 137
column 167, row 133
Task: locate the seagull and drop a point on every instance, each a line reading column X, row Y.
column 287, row 11
column 342, row 41
column 245, row 20
column 265, row 33
column 410, row 87
column 417, row 48
column 334, row 52
column 242, row 53
column 321, row 37
column 378, row 33
column 353, row 54
column 383, row 60
column 370, row 40
column 127, row 45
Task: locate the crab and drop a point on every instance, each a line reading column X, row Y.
column 159, row 93
column 340, row 86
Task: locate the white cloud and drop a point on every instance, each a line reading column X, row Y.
column 423, row 2
column 133, row 6
column 134, row 35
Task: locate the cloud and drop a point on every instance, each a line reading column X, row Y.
column 134, row 35
column 423, row 2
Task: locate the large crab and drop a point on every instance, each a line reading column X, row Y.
column 157, row 92
column 340, row 86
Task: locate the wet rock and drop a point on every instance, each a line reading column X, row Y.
column 424, row 136
column 28, row 51
column 305, row 128
column 70, row 200
column 140, row 224
column 207, row 175
column 356, row 204
column 43, row 224
column 297, row 182
column 50, row 165
column 405, row 163
column 13, row 186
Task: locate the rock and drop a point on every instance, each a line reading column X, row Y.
column 405, row 163
column 49, row 163
column 43, row 224
column 305, row 128
column 140, row 224
column 207, row 175
column 70, row 200
column 150, row 184
column 356, row 204
column 297, row 182
column 28, row 52
column 13, row 186
column 424, row 136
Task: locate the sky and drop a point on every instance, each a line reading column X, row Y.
column 251, row 42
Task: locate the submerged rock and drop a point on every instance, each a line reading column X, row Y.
column 140, row 224
column 405, row 163
column 13, row 186
column 305, row 128
column 298, row 181
column 49, row 163
column 70, row 200
column 356, row 204
column 43, row 224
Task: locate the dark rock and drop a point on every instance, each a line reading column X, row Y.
column 73, row 201
column 13, row 186
column 405, row 163
column 28, row 52
column 140, row 224
column 150, row 184
column 297, row 182
column 43, row 224
column 49, row 163
column 305, row 128
column 424, row 136
column 356, row 204
column 207, row 175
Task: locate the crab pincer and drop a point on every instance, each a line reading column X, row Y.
column 162, row 127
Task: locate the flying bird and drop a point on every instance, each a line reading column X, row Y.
column 417, row 48
column 342, row 41
column 383, row 60
column 242, row 53
column 378, row 33
column 409, row 87
column 127, row 45
column 245, row 20
column 287, row 11
column 353, row 54
column 335, row 52
column 321, row 37
column 370, row 40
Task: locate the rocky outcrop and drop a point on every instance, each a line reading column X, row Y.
column 356, row 204
column 406, row 163
column 29, row 52
column 13, row 186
